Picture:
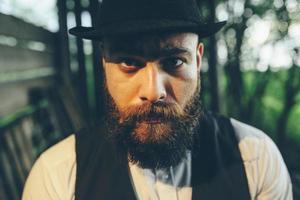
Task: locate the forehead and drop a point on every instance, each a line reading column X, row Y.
column 149, row 45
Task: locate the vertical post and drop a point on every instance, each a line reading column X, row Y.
column 212, row 62
column 63, row 42
column 97, row 65
column 63, row 57
column 16, row 174
column 11, row 193
column 81, row 80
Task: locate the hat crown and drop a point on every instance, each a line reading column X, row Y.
column 112, row 11
column 123, row 17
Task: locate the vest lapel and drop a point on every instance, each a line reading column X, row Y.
column 102, row 173
column 217, row 168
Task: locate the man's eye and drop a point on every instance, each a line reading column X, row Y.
column 173, row 63
column 130, row 63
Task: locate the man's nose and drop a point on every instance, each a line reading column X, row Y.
column 152, row 84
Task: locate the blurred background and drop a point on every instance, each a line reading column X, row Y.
column 50, row 82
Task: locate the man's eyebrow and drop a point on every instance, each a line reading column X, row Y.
column 167, row 51
column 171, row 51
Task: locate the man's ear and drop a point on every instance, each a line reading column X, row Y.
column 200, row 50
column 103, row 62
column 102, row 56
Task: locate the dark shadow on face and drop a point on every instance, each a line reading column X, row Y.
column 150, row 47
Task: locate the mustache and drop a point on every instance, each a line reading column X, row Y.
column 152, row 111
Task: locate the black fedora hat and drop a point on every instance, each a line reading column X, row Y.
column 116, row 17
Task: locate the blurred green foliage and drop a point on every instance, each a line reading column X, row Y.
column 258, row 65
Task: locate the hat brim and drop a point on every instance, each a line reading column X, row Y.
column 144, row 27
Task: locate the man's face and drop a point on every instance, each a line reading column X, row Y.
column 152, row 82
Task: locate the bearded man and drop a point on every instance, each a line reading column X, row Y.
column 156, row 141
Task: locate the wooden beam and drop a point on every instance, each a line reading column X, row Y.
column 14, row 58
column 15, row 27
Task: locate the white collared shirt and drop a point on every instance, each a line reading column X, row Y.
column 170, row 183
column 53, row 174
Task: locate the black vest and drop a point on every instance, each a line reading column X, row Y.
column 217, row 168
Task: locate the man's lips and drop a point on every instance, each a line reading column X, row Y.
column 151, row 121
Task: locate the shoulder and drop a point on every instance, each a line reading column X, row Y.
column 250, row 140
column 54, row 172
column 267, row 174
column 62, row 152
column 254, row 144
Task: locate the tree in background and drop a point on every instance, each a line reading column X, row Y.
column 241, row 77
column 254, row 69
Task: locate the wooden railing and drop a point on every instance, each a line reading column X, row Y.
column 32, row 111
column 27, row 60
column 19, row 146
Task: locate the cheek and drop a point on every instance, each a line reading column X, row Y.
column 185, row 87
column 119, row 86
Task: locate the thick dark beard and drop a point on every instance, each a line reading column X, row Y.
column 164, row 144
